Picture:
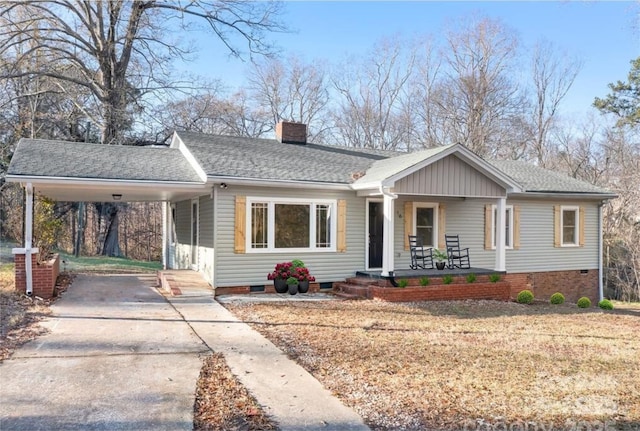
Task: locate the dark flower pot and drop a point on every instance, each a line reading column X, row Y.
column 280, row 285
column 441, row 265
column 293, row 289
column 303, row 286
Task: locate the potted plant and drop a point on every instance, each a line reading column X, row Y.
column 440, row 258
column 292, row 285
column 303, row 279
column 280, row 275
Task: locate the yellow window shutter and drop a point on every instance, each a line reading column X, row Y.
column 557, row 235
column 488, row 226
column 342, row 226
column 408, row 223
column 516, row 227
column 241, row 224
column 442, row 225
column 581, row 227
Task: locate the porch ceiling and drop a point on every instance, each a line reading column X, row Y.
column 103, row 191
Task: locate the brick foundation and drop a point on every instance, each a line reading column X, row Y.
column 572, row 284
column 268, row 288
column 443, row 292
column 44, row 275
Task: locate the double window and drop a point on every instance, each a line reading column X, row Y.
column 291, row 225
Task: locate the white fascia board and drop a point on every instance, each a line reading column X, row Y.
column 277, row 183
column 366, row 186
column 102, row 182
column 563, row 195
column 177, row 142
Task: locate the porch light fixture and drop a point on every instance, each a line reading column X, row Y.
column 223, row 185
column 116, row 196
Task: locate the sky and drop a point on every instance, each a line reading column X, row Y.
column 604, row 35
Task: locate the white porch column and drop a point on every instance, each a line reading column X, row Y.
column 28, row 236
column 387, row 234
column 165, row 235
column 501, row 207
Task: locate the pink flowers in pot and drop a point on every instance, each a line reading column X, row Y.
column 295, row 269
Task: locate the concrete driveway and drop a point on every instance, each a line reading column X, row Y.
column 118, row 357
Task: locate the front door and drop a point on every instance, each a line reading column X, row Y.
column 376, row 226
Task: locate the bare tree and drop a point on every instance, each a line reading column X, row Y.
column 370, row 93
column 120, row 51
column 293, row 91
column 478, row 98
column 553, row 74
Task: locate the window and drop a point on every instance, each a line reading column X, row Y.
column 425, row 228
column 291, row 224
column 569, row 225
column 508, row 226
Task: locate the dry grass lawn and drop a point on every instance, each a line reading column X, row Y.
column 467, row 364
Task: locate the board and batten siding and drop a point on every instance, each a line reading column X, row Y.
column 242, row 269
column 449, row 177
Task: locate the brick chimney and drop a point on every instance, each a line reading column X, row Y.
column 291, row 133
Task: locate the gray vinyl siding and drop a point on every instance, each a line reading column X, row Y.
column 182, row 248
column 206, row 222
column 252, row 268
column 536, row 253
column 449, row 177
column 183, row 222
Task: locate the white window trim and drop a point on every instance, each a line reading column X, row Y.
column 433, row 205
column 493, row 227
column 271, row 236
column 576, row 232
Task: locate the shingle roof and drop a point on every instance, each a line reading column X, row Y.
column 269, row 159
column 535, row 179
column 48, row 158
column 386, row 168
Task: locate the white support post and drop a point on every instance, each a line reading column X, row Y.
column 165, row 235
column 501, row 207
column 28, row 237
column 387, row 235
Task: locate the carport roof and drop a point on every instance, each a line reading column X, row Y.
column 63, row 159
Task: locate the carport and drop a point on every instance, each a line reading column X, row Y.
column 87, row 172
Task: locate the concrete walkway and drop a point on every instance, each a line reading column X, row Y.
column 120, row 357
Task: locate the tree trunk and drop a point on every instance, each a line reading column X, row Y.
column 111, row 245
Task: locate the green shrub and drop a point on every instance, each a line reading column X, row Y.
column 471, row 278
column 584, row 302
column 297, row 263
column 525, row 297
column 557, row 298
column 403, row 283
column 605, row 304
column 447, row 279
column 494, row 278
column 424, row 281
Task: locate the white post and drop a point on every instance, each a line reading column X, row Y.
column 28, row 236
column 600, row 257
column 165, row 236
column 501, row 207
column 387, row 235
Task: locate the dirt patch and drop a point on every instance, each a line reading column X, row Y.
column 464, row 364
column 222, row 403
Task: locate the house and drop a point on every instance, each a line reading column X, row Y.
column 236, row 206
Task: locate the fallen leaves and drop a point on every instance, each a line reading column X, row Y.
column 439, row 365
